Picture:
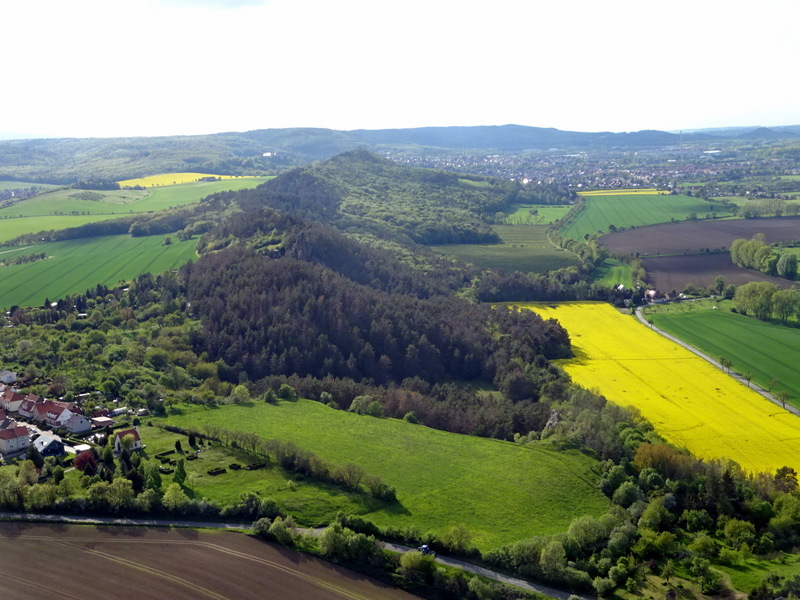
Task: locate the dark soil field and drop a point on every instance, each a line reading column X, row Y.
column 87, row 562
column 667, row 273
column 676, row 238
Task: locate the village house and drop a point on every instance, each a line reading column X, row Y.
column 49, row 445
column 57, row 414
column 120, row 435
column 14, row 440
column 78, row 424
column 10, row 400
column 27, row 408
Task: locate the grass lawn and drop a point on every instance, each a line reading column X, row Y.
column 73, row 266
column 525, row 248
column 626, row 210
column 746, row 576
column 500, row 491
column 766, row 350
column 312, row 503
column 544, row 214
column 612, row 272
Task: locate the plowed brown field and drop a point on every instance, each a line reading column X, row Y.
column 676, row 238
column 87, row 563
column 667, row 273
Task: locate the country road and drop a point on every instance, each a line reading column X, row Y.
column 246, row 527
column 742, row 380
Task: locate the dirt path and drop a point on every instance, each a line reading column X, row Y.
column 704, row 356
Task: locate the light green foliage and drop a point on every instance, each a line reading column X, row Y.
column 613, row 272
column 174, row 499
column 416, row 566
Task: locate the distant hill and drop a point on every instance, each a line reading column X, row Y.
column 270, row 151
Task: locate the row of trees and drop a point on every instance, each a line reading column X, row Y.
column 757, row 254
column 763, row 299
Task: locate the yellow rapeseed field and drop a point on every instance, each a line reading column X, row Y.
column 170, row 179
column 633, row 192
column 689, row 402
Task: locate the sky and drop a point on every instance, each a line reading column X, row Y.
column 107, row 68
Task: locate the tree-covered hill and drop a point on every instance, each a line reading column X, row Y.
column 360, row 191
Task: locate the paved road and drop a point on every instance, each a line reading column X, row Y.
column 126, row 522
column 751, row 385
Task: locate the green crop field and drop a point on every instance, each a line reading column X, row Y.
column 535, row 214
column 12, row 228
column 73, row 266
column 500, row 491
column 121, row 202
column 626, row 210
column 525, row 248
column 766, row 350
column 21, row 185
column 612, row 272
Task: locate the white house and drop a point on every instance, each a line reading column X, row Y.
column 14, row 440
column 120, row 435
column 11, row 400
column 77, row 423
column 7, row 376
column 56, row 414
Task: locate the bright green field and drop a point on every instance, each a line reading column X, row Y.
column 525, row 248
column 122, row 202
column 75, row 265
column 18, row 185
column 767, row 350
column 612, row 272
column 519, row 214
column 500, row 491
column 635, row 209
column 11, row 228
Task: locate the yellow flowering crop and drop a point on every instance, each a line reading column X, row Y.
column 169, row 179
column 689, row 402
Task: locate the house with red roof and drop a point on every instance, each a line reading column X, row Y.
column 120, row 435
column 28, row 407
column 14, row 440
column 57, row 414
column 10, row 400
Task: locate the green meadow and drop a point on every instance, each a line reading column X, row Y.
column 612, row 272
column 768, row 351
column 535, row 214
column 525, row 248
column 125, row 202
column 499, row 490
column 627, row 210
column 18, row 185
column 73, row 266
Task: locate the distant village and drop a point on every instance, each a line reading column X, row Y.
column 53, row 427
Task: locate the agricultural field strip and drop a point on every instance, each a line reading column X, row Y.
column 688, row 401
column 770, row 352
column 80, row 264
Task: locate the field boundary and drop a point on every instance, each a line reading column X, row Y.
column 753, row 386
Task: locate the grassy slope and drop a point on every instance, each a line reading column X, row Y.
column 635, row 209
column 17, row 185
column 612, row 272
column 525, row 248
column 501, row 491
column 519, row 214
column 75, row 265
column 766, row 350
column 39, row 213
